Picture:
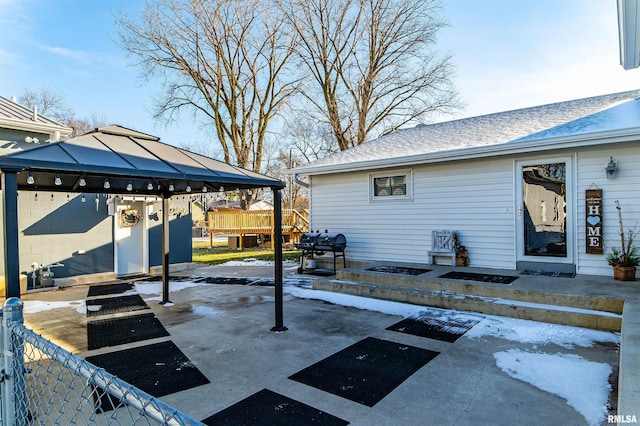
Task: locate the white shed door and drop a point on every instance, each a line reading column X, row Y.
column 129, row 239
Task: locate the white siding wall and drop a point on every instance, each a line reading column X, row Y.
column 472, row 197
column 625, row 188
column 475, row 198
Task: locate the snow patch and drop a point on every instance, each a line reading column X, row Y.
column 256, row 262
column 36, row 306
column 584, row 384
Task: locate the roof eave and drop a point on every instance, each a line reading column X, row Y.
column 27, row 126
column 507, row 148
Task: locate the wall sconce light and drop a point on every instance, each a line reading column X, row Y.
column 30, row 179
column 106, row 185
column 82, row 182
column 150, row 186
column 57, row 181
column 611, row 169
column 171, row 187
column 188, row 189
column 130, row 186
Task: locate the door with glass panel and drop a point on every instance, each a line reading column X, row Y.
column 544, row 227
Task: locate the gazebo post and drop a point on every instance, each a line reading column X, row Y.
column 11, row 256
column 277, row 249
column 165, row 250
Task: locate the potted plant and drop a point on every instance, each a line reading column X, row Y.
column 624, row 259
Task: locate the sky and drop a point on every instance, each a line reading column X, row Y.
column 507, row 54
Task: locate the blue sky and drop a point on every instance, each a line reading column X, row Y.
column 508, row 54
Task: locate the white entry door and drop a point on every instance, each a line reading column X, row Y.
column 130, row 236
column 544, row 197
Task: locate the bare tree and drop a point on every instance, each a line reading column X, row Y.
column 225, row 61
column 53, row 105
column 372, row 63
column 309, row 138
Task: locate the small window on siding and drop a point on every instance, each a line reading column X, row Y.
column 391, row 186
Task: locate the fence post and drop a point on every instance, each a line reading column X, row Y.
column 14, row 409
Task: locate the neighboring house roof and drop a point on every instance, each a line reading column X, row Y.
column 554, row 125
column 15, row 116
column 125, row 156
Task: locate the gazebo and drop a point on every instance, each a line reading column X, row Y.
column 117, row 160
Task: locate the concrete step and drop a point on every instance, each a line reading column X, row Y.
column 600, row 313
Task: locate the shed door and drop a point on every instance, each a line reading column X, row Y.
column 544, row 206
column 130, row 239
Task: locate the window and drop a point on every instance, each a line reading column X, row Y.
column 391, row 186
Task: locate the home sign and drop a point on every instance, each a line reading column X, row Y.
column 593, row 202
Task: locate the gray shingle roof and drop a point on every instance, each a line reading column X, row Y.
column 487, row 131
column 14, row 111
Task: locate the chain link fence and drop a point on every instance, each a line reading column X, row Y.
column 43, row 384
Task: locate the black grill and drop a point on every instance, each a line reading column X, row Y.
column 317, row 244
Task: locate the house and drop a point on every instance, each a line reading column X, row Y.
column 529, row 189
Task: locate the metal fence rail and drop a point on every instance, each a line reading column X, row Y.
column 44, row 384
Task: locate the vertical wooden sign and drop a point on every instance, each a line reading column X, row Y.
column 593, row 202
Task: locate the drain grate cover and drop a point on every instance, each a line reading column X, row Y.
column 105, row 289
column 447, row 327
column 118, row 331
column 486, row 278
column 367, row 371
column 389, row 269
column 270, row 408
column 118, row 304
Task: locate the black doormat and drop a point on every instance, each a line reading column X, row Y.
column 487, row 278
column 549, row 274
column 159, row 369
column 104, row 289
column 118, row 331
column 366, row 371
column 112, row 305
column 269, row 408
column 447, row 327
column 389, row 269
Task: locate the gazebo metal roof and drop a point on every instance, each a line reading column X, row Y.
column 118, row 160
column 123, row 156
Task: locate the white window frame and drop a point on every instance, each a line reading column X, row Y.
column 408, row 173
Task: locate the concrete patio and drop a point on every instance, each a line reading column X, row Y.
column 225, row 332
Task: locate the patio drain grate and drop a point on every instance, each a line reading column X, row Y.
column 105, row 289
column 270, row 408
column 118, row 304
column 118, row 331
column 389, row 269
column 487, row 278
column 447, row 327
column 366, row 371
column 159, row 369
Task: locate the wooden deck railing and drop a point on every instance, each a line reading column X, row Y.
column 251, row 222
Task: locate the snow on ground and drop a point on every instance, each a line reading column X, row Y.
column 584, row 384
column 36, row 306
column 256, row 262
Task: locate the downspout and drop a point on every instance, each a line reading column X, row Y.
column 299, row 182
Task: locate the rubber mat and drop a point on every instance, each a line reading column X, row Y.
column 158, row 369
column 270, row 408
column 398, row 270
column 367, row 371
column 105, row 289
column 487, row 278
column 549, row 274
column 447, row 327
column 118, row 331
column 112, row 305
